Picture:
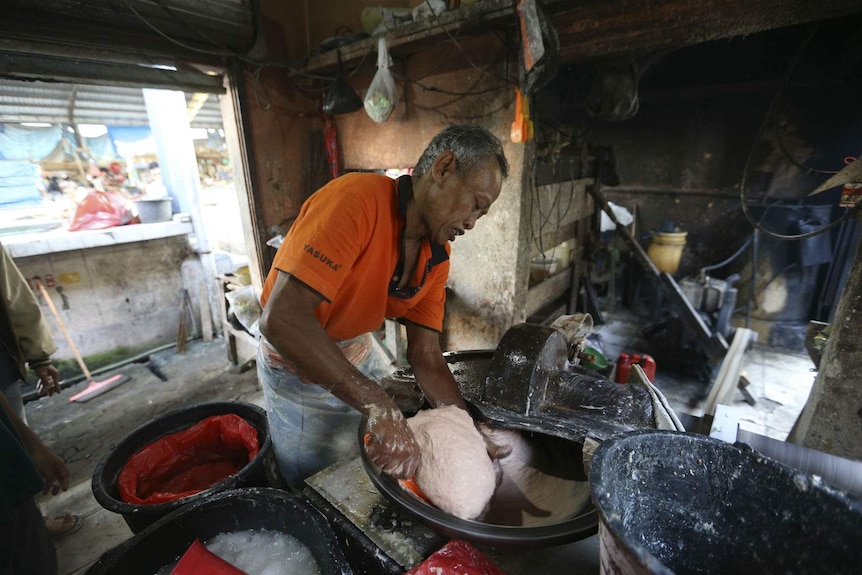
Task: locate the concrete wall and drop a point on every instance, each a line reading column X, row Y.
column 682, row 157
column 832, row 419
column 123, row 295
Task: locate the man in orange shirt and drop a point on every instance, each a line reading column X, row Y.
column 365, row 248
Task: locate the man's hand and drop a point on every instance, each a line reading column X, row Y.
column 390, row 444
column 495, row 451
column 53, row 469
column 49, row 380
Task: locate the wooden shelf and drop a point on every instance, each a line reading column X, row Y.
column 468, row 20
column 548, row 290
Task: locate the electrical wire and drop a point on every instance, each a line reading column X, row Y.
column 454, row 100
column 222, row 53
column 780, row 141
column 556, row 126
column 449, row 92
column 461, row 118
column 362, row 61
column 791, row 67
column 256, row 89
column 437, row 23
column 177, row 16
column 736, row 254
column 544, row 220
column 294, row 68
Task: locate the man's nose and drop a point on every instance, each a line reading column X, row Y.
column 470, row 222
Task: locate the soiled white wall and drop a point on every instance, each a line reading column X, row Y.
column 121, row 295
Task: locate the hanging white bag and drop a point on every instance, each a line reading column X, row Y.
column 380, row 98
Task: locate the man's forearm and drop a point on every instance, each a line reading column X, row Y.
column 432, row 373
column 289, row 324
column 317, row 358
column 438, row 385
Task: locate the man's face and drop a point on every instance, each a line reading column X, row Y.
column 456, row 201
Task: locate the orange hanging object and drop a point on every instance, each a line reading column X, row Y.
column 522, row 127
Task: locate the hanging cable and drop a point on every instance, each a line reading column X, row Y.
column 437, row 23
column 738, row 253
column 780, row 141
column 791, row 67
column 449, row 92
column 223, row 52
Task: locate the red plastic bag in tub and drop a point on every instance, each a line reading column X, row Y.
column 198, row 560
column 188, row 461
column 99, row 210
column 457, row 557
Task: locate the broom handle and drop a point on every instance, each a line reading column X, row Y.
column 63, row 329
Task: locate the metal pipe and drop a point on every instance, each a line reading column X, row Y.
column 754, row 244
column 31, row 396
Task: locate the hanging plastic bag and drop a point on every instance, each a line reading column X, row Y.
column 380, row 99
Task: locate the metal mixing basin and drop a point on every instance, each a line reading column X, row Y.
column 543, row 498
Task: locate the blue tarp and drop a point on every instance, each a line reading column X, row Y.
column 19, row 184
column 28, row 143
column 132, row 140
column 35, row 144
column 22, row 146
column 101, row 148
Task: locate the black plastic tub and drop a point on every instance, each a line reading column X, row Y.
column 166, row 540
column 261, row 471
column 672, row 502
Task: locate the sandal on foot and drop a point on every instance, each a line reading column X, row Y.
column 63, row 524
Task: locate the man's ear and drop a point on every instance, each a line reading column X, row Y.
column 444, row 165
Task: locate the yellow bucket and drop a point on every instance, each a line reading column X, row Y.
column 665, row 250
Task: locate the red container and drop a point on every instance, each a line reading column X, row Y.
column 625, row 362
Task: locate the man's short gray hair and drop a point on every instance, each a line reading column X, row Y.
column 472, row 146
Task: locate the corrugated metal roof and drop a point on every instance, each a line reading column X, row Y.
column 58, row 103
column 129, row 30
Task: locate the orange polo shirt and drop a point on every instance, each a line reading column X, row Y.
column 346, row 244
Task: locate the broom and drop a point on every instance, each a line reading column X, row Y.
column 94, row 388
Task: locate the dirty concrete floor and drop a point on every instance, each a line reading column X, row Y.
column 83, row 433
column 780, row 379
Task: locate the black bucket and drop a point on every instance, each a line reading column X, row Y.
column 166, row 540
column 672, row 502
column 259, row 472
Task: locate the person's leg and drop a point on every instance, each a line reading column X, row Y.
column 26, row 547
column 57, row 525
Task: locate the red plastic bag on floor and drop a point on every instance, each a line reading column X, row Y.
column 198, row 560
column 99, row 210
column 457, row 557
column 188, row 461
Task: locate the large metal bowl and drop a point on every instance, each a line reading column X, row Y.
column 555, row 509
column 565, row 514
